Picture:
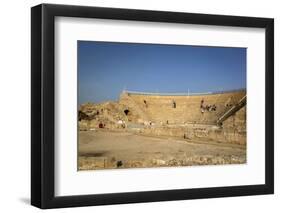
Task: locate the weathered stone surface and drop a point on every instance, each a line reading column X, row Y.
column 156, row 115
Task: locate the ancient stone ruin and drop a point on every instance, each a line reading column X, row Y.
column 219, row 117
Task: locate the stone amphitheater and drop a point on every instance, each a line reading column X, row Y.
column 214, row 124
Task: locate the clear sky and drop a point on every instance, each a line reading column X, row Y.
column 106, row 68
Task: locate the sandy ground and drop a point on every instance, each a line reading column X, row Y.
column 104, row 149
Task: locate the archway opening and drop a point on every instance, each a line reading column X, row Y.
column 126, row 111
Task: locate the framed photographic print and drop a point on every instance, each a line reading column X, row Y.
column 139, row 106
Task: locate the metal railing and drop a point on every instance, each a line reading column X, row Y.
column 182, row 93
column 233, row 109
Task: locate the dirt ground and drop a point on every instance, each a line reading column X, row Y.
column 105, row 149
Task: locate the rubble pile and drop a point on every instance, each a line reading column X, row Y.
column 104, row 115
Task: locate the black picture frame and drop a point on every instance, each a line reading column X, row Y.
column 43, row 110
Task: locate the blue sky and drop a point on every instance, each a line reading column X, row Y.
column 106, row 68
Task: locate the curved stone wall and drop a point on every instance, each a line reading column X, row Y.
column 179, row 109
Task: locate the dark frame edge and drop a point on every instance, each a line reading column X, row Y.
column 269, row 100
column 36, row 60
column 158, row 196
column 42, row 107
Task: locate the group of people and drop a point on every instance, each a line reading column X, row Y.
column 207, row 107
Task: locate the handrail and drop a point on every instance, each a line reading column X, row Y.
column 233, row 109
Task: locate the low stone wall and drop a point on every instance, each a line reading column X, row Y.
column 233, row 130
column 208, row 133
column 86, row 125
